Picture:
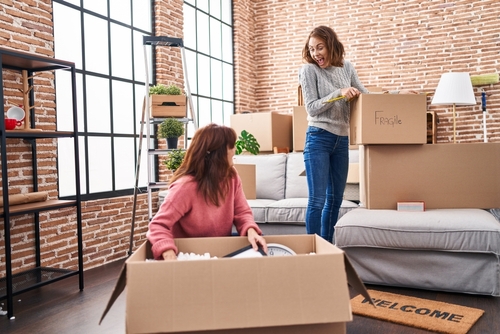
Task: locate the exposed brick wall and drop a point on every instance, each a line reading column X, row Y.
column 393, row 44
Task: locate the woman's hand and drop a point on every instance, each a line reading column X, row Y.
column 169, row 255
column 255, row 239
column 350, row 92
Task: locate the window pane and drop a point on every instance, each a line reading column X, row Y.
column 202, row 30
column 215, row 38
column 204, row 75
column 96, row 44
column 98, row 6
column 99, row 152
column 226, row 11
column 227, row 44
column 121, row 52
column 98, row 109
column 64, row 101
column 67, row 44
column 204, row 114
column 203, row 5
column 142, row 14
column 119, row 10
column 143, row 168
column 228, row 111
column 79, row 101
column 139, row 65
column 124, row 163
column 217, row 115
column 123, row 108
column 227, row 83
column 215, row 8
column 191, row 69
column 216, row 82
column 189, row 30
column 83, row 166
column 66, row 167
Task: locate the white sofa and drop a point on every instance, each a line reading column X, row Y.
column 281, row 191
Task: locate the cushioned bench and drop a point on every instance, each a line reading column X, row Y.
column 455, row 250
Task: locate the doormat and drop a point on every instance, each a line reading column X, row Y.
column 416, row 312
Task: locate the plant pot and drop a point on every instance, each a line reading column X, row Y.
column 172, row 143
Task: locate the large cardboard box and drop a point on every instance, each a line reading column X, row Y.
column 299, row 128
column 441, row 175
column 248, row 179
column 305, row 293
column 271, row 129
column 388, row 119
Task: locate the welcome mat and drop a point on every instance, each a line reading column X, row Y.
column 416, row 312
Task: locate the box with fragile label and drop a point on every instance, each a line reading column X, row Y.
column 303, row 293
column 388, row 119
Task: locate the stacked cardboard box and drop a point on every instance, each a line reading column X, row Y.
column 398, row 166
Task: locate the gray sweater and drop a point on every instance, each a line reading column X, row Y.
column 318, row 86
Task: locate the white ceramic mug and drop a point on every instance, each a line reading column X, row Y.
column 16, row 113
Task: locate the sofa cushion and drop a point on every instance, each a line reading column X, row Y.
column 259, row 208
column 293, row 210
column 269, row 173
column 296, row 184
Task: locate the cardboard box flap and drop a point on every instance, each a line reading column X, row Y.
column 354, row 280
column 118, row 289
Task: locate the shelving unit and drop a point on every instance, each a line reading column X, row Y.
column 15, row 284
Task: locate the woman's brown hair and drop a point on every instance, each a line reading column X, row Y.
column 207, row 161
column 332, row 43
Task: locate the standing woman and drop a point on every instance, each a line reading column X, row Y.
column 205, row 197
column 326, row 75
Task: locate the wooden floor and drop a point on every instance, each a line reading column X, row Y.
column 61, row 308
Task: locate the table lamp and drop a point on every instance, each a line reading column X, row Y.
column 454, row 88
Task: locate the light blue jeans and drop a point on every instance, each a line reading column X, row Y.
column 326, row 157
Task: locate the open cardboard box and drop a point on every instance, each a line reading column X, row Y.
column 288, row 294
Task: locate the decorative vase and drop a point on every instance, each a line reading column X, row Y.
column 172, row 143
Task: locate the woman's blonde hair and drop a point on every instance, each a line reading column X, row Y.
column 332, row 43
column 207, row 161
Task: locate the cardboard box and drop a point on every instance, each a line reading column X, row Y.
column 167, row 105
column 287, row 294
column 299, row 128
column 271, row 129
column 248, row 179
column 353, row 173
column 388, row 119
column 441, row 175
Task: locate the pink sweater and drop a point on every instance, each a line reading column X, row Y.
column 184, row 213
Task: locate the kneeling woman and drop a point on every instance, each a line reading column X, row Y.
column 205, row 196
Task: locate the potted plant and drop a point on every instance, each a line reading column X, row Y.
column 174, row 159
column 246, row 141
column 167, row 101
column 171, row 129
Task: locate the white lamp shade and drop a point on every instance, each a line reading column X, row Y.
column 454, row 88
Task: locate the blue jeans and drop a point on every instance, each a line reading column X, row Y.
column 326, row 157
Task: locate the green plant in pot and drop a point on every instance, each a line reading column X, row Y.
column 174, row 159
column 171, row 129
column 167, row 101
column 161, row 89
column 247, row 142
